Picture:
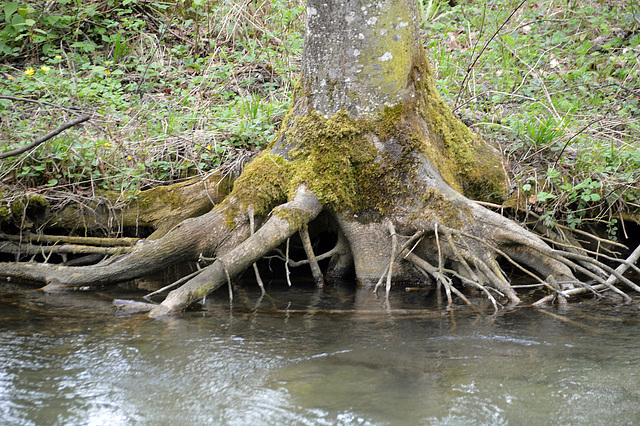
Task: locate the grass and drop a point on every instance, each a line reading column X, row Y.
column 178, row 92
column 173, row 92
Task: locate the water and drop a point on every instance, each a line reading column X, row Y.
column 302, row 356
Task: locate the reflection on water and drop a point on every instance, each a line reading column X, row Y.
column 301, row 356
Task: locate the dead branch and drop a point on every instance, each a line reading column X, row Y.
column 46, row 137
column 65, row 239
column 32, row 249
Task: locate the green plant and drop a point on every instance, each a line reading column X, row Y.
column 546, row 133
column 432, row 11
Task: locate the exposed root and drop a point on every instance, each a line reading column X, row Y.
column 445, row 255
column 65, row 239
column 439, row 276
column 252, row 227
column 394, row 249
column 625, row 264
column 629, row 262
column 274, row 232
column 226, row 273
column 188, row 241
column 74, row 249
column 286, row 263
column 316, row 272
column 414, row 239
column 440, row 281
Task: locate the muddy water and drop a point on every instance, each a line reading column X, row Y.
column 300, row 356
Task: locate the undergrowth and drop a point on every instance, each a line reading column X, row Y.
column 178, row 89
column 175, row 89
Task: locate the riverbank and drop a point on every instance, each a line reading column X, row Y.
column 181, row 92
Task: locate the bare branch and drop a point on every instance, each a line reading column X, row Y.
column 46, row 137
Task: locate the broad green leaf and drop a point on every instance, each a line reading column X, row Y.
column 543, row 196
column 9, row 9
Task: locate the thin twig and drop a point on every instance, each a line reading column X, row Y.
column 172, row 285
column 566, row 144
column 473, row 64
column 35, row 101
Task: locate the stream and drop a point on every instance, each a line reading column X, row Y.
column 302, row 356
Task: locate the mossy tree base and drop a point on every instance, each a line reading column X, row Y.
column 369, row 143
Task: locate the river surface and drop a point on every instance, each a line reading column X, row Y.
column 301, row 356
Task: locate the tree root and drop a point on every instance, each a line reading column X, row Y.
column 188, row 241
column 446, row 254
column 305, row 207
column 316, row 272
column 629, row 262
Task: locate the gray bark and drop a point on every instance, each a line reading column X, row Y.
column 358, row 55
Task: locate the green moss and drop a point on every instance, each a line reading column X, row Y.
column 337, row 159
column 297, row 218
column 38, row 200
column 29, row 201
column 163, row 194
column 17, row 207
column 262, row 186
column 5, row 214
column 358, row 165
column 465, row 161
column 443, row 210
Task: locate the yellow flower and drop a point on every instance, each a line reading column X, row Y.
column 208, row 147
column 107, row 71
column 10, row 78
column 30, row 71
column 58, row 57
column 45, row 68
column 128, row 157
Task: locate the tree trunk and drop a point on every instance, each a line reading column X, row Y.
column 369, row 141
